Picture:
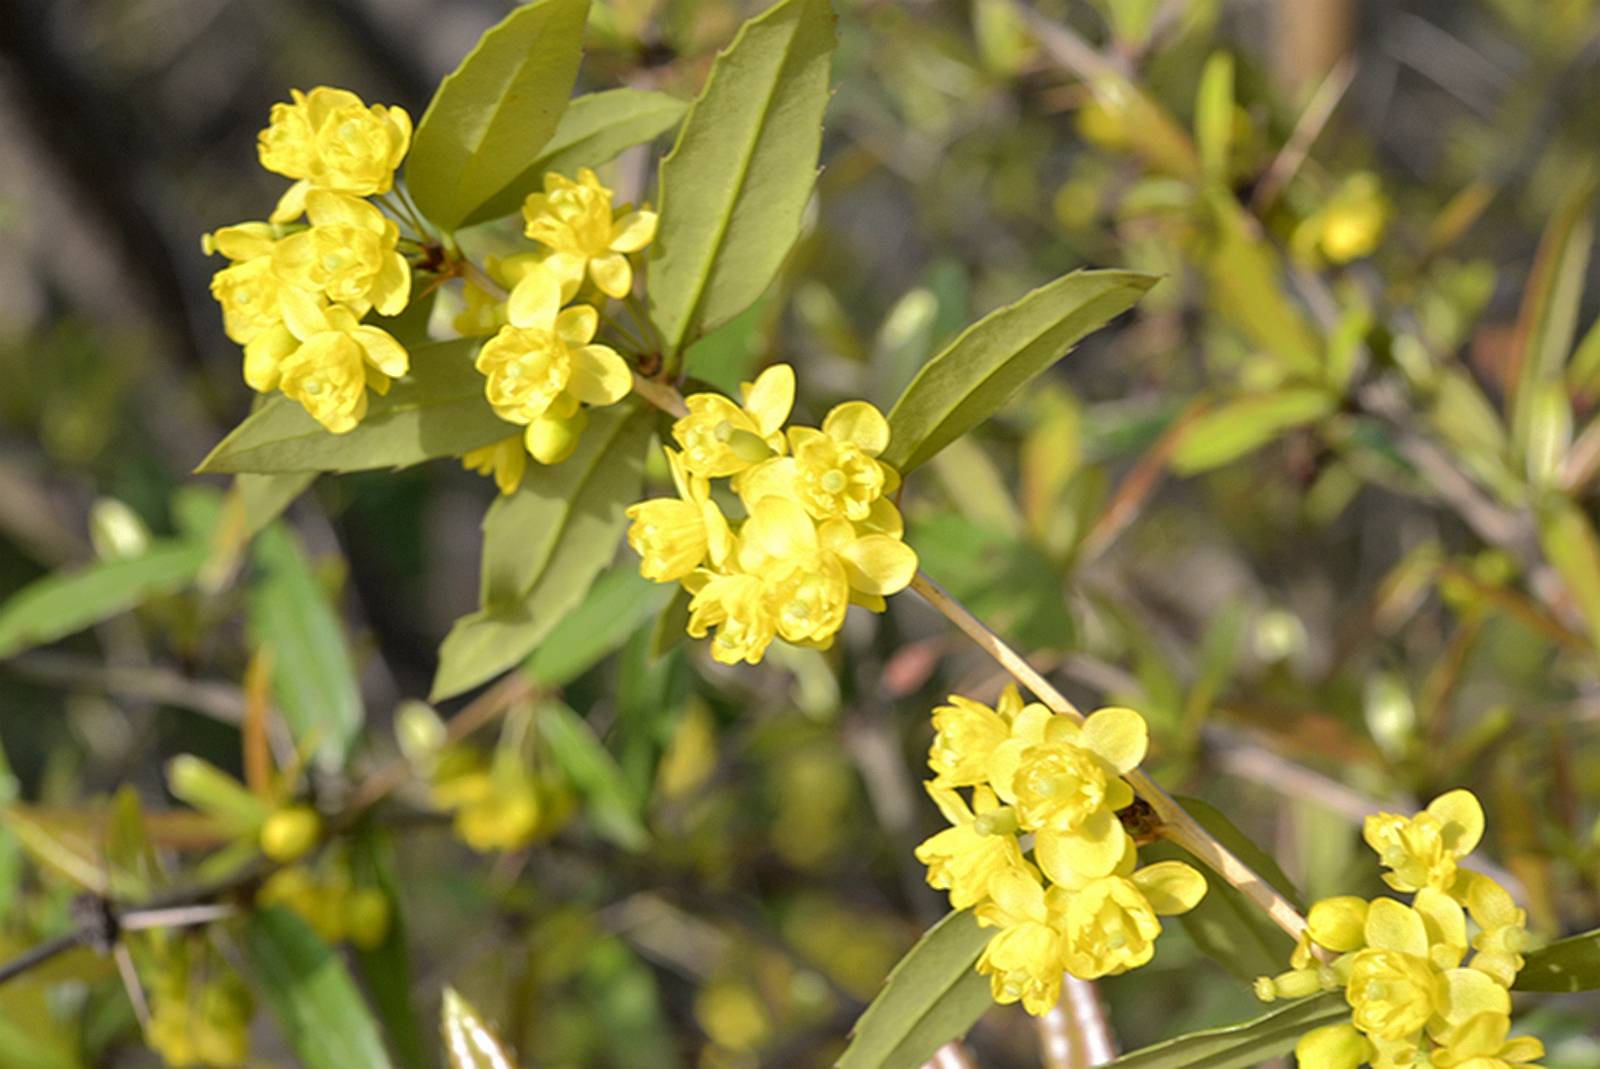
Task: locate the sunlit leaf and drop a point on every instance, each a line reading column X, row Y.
column 1571, row 964
column 1238, row 1046
column 1239, row 427
column 469, row 1043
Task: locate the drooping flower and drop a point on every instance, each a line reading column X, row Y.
column 1024, row 959
column 575, row 221
column 674, row 536
column 965, row 858
column 1110, row 921
column 966, row 734
column 347, row 253
column 720, row 438
column 322, row 358
column 1422, row 851
column 837, row 473
column 330, row 139
column 506, row 460
column 248, row 289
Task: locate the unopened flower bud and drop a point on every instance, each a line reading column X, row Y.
column 290, row 833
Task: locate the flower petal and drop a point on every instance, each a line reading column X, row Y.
column 1095, row 847
column 1462, row 817
column 633, row 231
column 599, row 375
column 612, row 274
column 535, row 301
column 1391, row 925
column 859, row 423
column 1119, row 735
column 1465, row 993
column 576, row 325
column 292, row 205
column 878, row 564
column 392, row 290
column 382, row 350
column 303, row 313
column 1171, row 886
column 1334, row 1046
column 770, row 397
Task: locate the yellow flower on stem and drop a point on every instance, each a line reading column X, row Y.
column 966, row 734
column 1422, row 851
column 325, row 360
column 720, row 438
column 1504, row 930
column 1481, row 1042
column 542, row 364
column 575, row 221
column 674, row 536
column 1024, row 960
column 330, row 139
column 348, row 254
column 979, row 845
column 248, row 289
column 837, row 473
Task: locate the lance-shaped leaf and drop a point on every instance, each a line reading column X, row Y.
column 619, row 603
column 1238, row 1046
column 469, row 1043
column 610, row 803
column 543, row 547
column 322, row 1016
column 312, row 672
column 736, row 183
column 992, row 359
column 594, row 128
column 437, row 410
column 1571, row 964
column 1573, row 549
column 67, row 602
column 493, row 114
column 931, row 997
column 1241, row 426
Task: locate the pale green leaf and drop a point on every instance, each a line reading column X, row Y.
column 1239, row 427
column 1247, row 288
column 437, row 410
column 1573, row 549
column 266, row 497
column 620, row 602
column 469, row 1042
column 1571, row 964
column 313, row 676
column 543, row 547
column 1548, row 318
column 992, row 359
column 494, row 113
column 322, row 1017
column 609, row 802
column 70, row 601
column 1213, row 115
column 1239, row 1046
column 594, row 129
column 932, row 996
column 736, row 183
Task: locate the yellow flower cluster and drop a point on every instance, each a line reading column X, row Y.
column 1413, row 1002
column 1081, row 905
column 294, row 294
column 819, row 532
column 199, row 1007
column 499, row 804
column 542, row 365
column 331, row 903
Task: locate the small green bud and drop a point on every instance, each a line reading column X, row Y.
column 552, row 439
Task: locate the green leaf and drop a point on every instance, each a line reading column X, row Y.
column 266, row 497
column 1246, row 286
column 931, row 997
column 543, row 547
column 1571, row 964
column 1226, row 926
column 1238, row 1046
column 735, row 186
column 620, row 602
column 992, row 359
column 469, row 1043
column 1239, row 427
column 610, row 803
column 437, row 410
column 493, row 114
column 70, row 601
column 594, row 129
column 323, row 1018
column 313, row 677
column 1573, row 549
column 386, row 969
column 1213, row 115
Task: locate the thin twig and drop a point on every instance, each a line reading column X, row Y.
column 1287, row 162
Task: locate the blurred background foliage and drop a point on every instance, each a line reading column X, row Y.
column 1322, row 509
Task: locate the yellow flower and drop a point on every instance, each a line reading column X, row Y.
column 1349, row 226
column 348, row 254
column 966, row 857
column 542, row 362
column 329, row 139
column 720, row 438
column 325, row 360
column 1339, row 924
column 1504, row 930
column 1406, row 978
column 574, row 220
column 506, row 460
column 248, row 290
column 1024, row 960
column 966, row 734
column 673, row 536
column 485, row 312
column 1334, row 1046
column 1422, row 851
column 736, row 605
column 1480, row 1043
column 1065, row 781
column 1110, row 921
column 837, row 473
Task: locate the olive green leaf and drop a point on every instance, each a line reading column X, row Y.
column 1213, row 115
column 66, row 602
column 1573, row 549
column 469, row 1043
column 932, row 996
column 1239, row 427
column 992, row 359
column 1238, row 1046
column 324, row 1020
column 543, row 547
column 595, row 127
column 620, row 602
column 609, row 802
column 736, row 183
column 493, row 114
column 437, row 410
column 1571, row 964
column 313, row 676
